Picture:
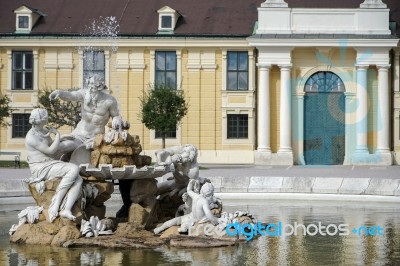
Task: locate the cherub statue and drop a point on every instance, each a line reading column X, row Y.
column 200, row 209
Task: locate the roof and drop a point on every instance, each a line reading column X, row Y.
column 140, row 17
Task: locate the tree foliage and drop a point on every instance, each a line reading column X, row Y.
column 5, row 110
column 162, row 108
column 60, row 112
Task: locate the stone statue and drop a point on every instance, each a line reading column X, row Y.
column 200, row 209
column 40, row 148
column 184, row 160
column 97, row 108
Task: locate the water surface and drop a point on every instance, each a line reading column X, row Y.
column 352, row 249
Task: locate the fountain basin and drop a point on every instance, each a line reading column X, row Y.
column 108, row 172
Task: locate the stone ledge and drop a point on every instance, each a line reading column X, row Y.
column 261, row 184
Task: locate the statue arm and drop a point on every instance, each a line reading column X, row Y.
column 114, row 113
column 42, row 147
column 208, row 214
column 67, row 95
column 190, row 191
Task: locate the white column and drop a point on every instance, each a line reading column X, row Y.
column 263, row 118
column 396, row 70
column 285, row 110
column 362, row 109
column 383, row 109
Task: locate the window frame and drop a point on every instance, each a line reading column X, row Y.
column 237, row 133
column 23, row 70
column 25, row 125
column 93, row 57
column 25, row 17
column 162, row 26
column 165, row 70
column 237, row 70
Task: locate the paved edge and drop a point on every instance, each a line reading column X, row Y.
column 261, row 187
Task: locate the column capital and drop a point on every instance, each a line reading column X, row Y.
column 285, row 66
column 383, row 66
column 263, row 65
column 362, row 66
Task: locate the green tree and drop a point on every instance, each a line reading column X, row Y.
column 162, row 108
column 5, row 110
column 60, row 112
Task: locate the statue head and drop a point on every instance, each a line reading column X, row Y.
column 207, row 191
column 96, row 82
column 38, row 115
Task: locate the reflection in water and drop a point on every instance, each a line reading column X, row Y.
column 284, row 250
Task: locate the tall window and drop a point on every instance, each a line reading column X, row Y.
column 93, row 63
column 20, row 125
column 237, row 126
column 237, row 71
column 166, row 68
column 166, row 74
column 22, row 70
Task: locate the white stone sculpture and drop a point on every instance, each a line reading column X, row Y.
column 184, row 160
column 97, row 108
column 30, row 215
column 94, row 227
column 200, row 209
column 40, row 148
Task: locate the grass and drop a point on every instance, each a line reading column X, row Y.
column 10, row 164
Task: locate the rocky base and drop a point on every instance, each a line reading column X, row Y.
column 127, row 235
column 132, row 236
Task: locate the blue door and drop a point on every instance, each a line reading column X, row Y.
column 324, row 119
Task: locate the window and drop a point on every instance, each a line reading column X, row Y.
column 20, row 125
column 93, row 63
column 22, row 68
column 238, row 71
column 324, row 81
column 168, row 135
column 166, row 68
column 237, row 126
column 23, row 22
column 166, row 22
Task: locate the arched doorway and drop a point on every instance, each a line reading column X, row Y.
column 324, row 119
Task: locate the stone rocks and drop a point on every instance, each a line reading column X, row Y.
column 142, row 216
column 45, row 233
column 66, row 233
column 118, row 148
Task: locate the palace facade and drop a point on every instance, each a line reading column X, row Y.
column 274, row 82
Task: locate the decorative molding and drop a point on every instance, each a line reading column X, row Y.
column 136, row 60
column 274, row 3
column 373, row 4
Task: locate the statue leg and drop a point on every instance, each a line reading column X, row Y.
column 68, row 179
column 168, row 224
column 72, row 196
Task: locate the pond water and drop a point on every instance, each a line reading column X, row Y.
column 334, row 249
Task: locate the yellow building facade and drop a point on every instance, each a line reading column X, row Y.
column 200, row 64
column 254, row 76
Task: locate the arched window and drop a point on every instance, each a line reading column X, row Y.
column 324, row 81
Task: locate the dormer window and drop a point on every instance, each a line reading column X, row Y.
column 23, row 22
column 167, row 18
column 166, row 22
column 26, row 18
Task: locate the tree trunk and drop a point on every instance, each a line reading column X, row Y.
column 163, row 140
